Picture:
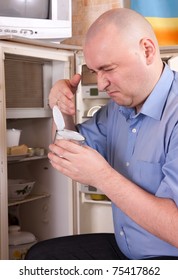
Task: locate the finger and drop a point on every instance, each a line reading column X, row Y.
column 62, row 93
column 59, row 160
column 66, row 149
column 59, row 89
column 61, row 166
column 55, row 150
column 71, row 146
column 65, row 104
column 59, row 163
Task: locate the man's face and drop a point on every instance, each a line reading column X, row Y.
column 121, row 69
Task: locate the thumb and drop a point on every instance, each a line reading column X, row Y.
column 73, row 83
column 75, row 80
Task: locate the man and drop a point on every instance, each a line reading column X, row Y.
column 131, row 144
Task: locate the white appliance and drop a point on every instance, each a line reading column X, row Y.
column 36, row 19
column 93, row 211
column 48, row 211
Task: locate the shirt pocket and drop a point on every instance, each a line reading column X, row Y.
column 148, row 175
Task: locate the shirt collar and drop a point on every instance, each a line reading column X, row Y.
column 154, row 105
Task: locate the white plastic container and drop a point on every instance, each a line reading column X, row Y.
column 19, row 242
column 71, row 135
column 13, row 137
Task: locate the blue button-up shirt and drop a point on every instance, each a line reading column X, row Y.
column 142, row 147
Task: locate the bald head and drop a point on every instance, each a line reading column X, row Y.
column 121, row 48
column 127, row 23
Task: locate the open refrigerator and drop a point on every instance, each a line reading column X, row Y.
column 29, row 68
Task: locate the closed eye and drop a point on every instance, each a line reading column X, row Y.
column 106, row 68
column 109, row 68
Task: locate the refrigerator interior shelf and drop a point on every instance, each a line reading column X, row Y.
column 101, row 96
column 27, row 158
column 29, row 198
column 21, row 113
column 86, row 198
column 86, row 117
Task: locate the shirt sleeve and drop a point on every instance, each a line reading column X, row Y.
column 169, row 185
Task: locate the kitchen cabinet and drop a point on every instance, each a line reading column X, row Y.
column 48, row 211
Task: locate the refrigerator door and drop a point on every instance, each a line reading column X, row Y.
column 90, row 215
column 3, row 190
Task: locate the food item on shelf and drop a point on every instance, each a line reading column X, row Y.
column 31, row 152
column 18, row 150
column 98, row 197
column 19, row 242
column 8, row 151
column 39, row 151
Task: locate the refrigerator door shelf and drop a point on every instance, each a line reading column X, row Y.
column 87, row 198
column 90, row 189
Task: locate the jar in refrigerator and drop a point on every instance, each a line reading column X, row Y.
column 19, row 242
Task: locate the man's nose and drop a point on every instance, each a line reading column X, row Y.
column 102, row 81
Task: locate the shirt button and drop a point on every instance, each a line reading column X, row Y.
column 127, row 163
column 121, row 233
column 134, row 130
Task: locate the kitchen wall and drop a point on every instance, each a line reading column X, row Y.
column 84, row 13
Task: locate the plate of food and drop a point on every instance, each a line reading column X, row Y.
column 16, row 153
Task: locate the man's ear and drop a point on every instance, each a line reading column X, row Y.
column 149, row 49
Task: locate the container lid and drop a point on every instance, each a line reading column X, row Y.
column 18, row 237
column 69, row 135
